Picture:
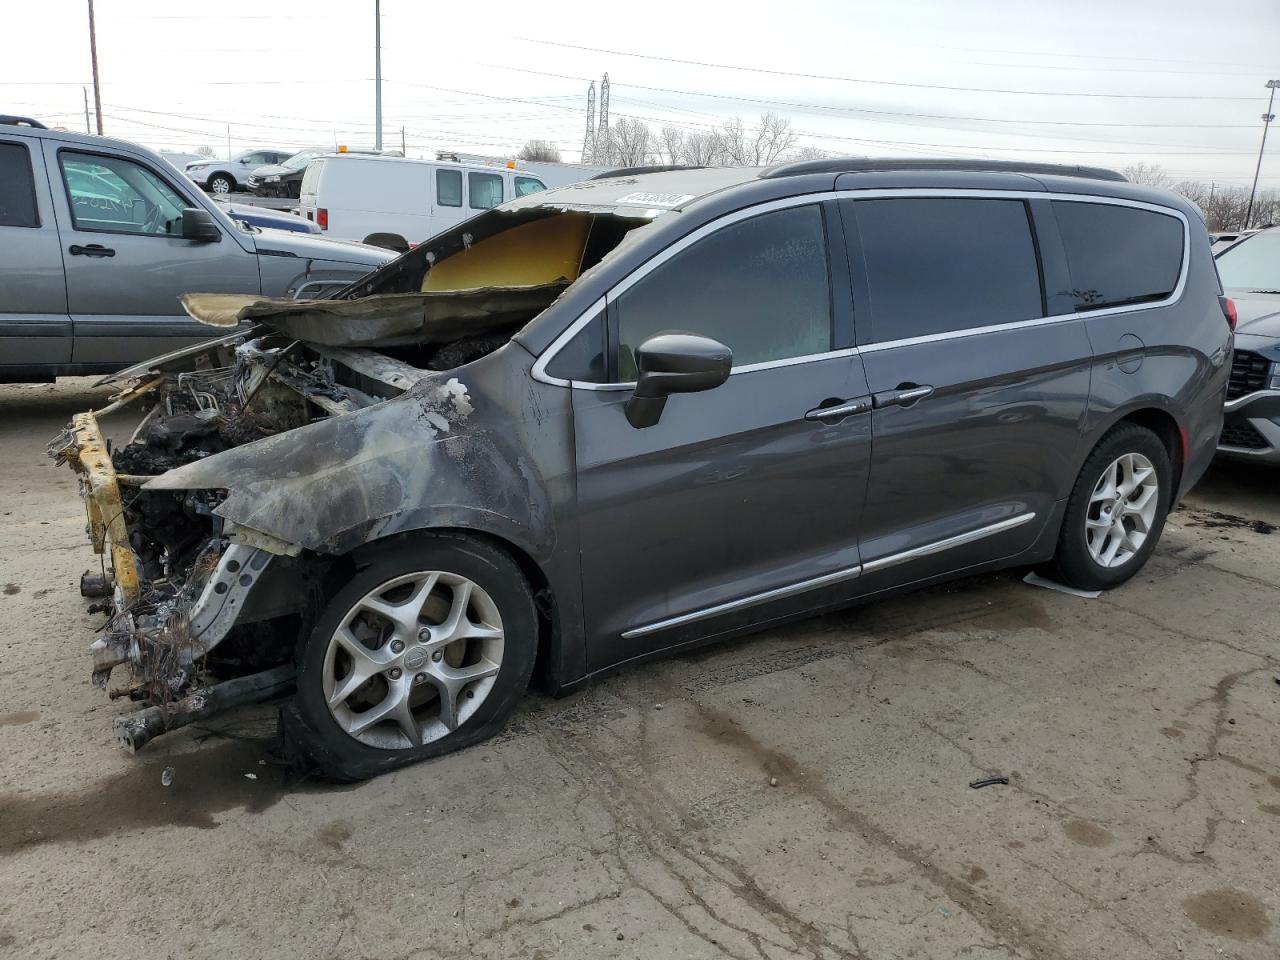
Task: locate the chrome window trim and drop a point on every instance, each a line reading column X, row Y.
column 539, row 368
column 838, row 576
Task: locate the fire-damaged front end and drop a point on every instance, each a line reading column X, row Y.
column 269, row 457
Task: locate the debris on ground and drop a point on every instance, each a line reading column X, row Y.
column 988, row 782
column 1216, row 519
column 1035, row 580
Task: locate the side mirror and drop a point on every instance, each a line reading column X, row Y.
column 198, row 225
column 674, row 363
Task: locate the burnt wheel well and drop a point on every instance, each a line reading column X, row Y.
column 340, row 569
column 1164, row 426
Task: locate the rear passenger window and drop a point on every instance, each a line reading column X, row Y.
column 936, row 265
column 17, row 187
column 1118, row 255
column 449, row 188
column 758, row 286
column 486, row 190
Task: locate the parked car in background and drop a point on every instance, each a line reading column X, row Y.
column 1220, row 241
column 282, row 179
column 98, row 240
column 629, row 416
column 394, row 202
column 1250, row 272
column 180, row 159
column 227, row 176
column 266, row 217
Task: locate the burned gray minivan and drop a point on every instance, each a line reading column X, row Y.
column 642, row 412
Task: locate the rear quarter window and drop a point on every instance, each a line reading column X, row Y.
column 17, row 187
column 1118, row 255
column 311, row 179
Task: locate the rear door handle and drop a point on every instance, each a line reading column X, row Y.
column 92, row 250
column 904, row 396
column 839, row 410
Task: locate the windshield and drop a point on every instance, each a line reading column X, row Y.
column 1253, row 263
column 299, row 160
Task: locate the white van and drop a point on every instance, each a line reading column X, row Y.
column 393, row 202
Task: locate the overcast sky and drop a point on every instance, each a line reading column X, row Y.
column 1107, row 82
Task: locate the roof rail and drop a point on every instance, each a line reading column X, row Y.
column 871, row 165
column 12, row 121
column 636, row 171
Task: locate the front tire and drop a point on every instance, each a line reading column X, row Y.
column 1116, row 511
column 221, row 184
column 426, row 650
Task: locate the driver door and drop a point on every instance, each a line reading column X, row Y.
column 126, row 263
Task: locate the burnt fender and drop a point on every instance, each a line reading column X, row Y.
column 429, row 458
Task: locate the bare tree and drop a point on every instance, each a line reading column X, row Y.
column 703, row 149
column 669, row 145
column 631, row 143
column 810, row 153
column 758, row 146
column 204, row 151
column 543, row 150
column 1150, row 174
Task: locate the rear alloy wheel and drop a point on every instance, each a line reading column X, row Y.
column 1116, row 510
column 220, row 184
column 426, row 649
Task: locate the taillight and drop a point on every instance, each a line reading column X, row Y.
column 322, row 219
column 1229, row 311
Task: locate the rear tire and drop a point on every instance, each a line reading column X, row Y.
column 436, row 635
column 1116, row 511
column 388, row 241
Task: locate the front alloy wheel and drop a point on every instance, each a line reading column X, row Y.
column 1122, row 510
column 413, row 659
column 220, row 186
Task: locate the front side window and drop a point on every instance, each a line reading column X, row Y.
column 1253, row 263
column 449, row 188
column 1118, row 255
column 118, row 195
column 17, row 187
column 758, row 286
column 485, row 190
column 528, row 185
column 941, row 264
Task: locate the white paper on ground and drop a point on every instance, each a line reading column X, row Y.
column 1038, row 581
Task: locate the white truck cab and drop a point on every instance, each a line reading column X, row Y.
column 394, row 202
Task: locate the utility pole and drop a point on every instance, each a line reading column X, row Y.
column 228, row 141
column 93, row 55
column 1266, row 123
column 85, row 91
column 604, row 148
column 404, row 152
column 589, row 138
column 377, row 74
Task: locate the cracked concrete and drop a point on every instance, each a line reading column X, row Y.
column 638, row 819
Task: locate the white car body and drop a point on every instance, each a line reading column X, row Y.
column 355, row 196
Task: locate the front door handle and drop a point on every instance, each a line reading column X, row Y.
column 92, row 250
column 906, row 395
column 838, row 410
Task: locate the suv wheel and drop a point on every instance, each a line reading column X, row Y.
column 1116, row 511
column 221, row 184
column 427, row 649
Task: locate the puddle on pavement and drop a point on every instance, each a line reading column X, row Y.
column 1086, row 834
column 19, row 718
column 1229, row 913
column 11, row 588
column 207, row 781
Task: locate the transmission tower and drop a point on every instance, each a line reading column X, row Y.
column 589, row 139
column 604, row 149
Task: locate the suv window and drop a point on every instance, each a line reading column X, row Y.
column 118, row 195
column 17, row 187
column 936, row 265
column 485, row 190
column 528, row 185
column 1254, row 262
column 758, row 286
column 1118, row 255
column 449, row 188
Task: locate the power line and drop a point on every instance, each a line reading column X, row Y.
column 882, row 83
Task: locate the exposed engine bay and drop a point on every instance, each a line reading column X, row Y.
column 198, row 600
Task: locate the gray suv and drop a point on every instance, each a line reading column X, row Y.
column 624, row 417
column 98, row 240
